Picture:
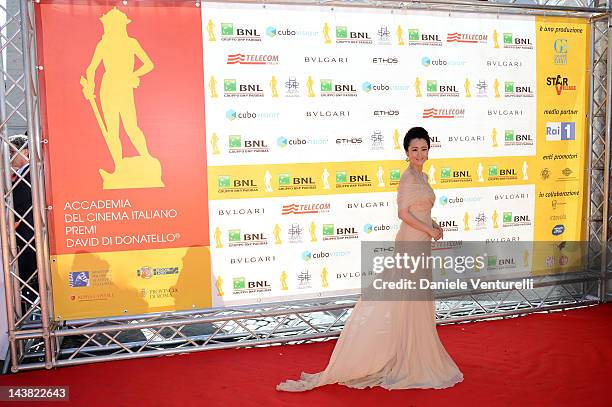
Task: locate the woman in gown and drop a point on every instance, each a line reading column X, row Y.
column 394, row 344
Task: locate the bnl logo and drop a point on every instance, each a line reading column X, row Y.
column 560, row 131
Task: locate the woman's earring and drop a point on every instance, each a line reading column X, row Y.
column 407, row 159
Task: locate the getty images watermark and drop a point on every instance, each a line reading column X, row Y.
column 418, row 270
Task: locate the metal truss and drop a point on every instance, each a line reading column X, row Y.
column 36, row 341
column 89, row 341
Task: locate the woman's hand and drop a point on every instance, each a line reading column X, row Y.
column 436, row 233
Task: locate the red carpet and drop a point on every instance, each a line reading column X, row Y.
column 557, row 359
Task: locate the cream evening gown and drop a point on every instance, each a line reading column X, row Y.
column 392, row 344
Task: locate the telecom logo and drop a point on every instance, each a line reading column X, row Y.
column 415, row 37
column 346, row 36
column 511, row 89
column 305, row 209
column 231, row 33
column 560, row 48
column 434, row 113
column 514, row 42
column 463, row 38
column 434, row 89
column 330, row 89
column 560, row 131
column 252, row 59
column 239, row 145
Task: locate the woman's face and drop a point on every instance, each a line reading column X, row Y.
column 417, row 151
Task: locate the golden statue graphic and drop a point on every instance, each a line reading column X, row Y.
column 326, row 33
column 468, row 94
column 273, row 83
column 116, row 50
column 496, row 87
column 495, row 224
column 309, row 84
column 283, row 280
column 400, row 35
column 313, row 232
column 219, row 284
column 214, row 140
column 526, row 258
column 494, row 137
column 212, row 86
column 417, row 86
column 443, row 270
column 396, row 136
column 495, row 38
column 324, row 282
column 277, row 230
column 476, row 265
column 210, row 27
column 466, row 222
column 218, row 243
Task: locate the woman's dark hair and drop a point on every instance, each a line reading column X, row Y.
column 416, row 133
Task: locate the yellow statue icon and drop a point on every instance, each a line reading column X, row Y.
column 468, row 94
column 417, row 86
column 526, row 258
column 218, row 243
column 116, row 51
column 214, row 141
column 400, row 35
column 443, row 269
column 396, row 135
column 273, row 83
column 212, row 86
column 324, row 282
column 495, row 39
column 283, row 280
column 496, row 87
column 494, row 137
column 466, row 221
column 309, row 84
column 495, row 225
column 326, row 33
column 277, row 230
column 476, row 266
column 219, row 284
column 313, row 232
column 210, row 27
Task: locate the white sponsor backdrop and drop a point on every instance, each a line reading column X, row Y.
column 385, row 88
